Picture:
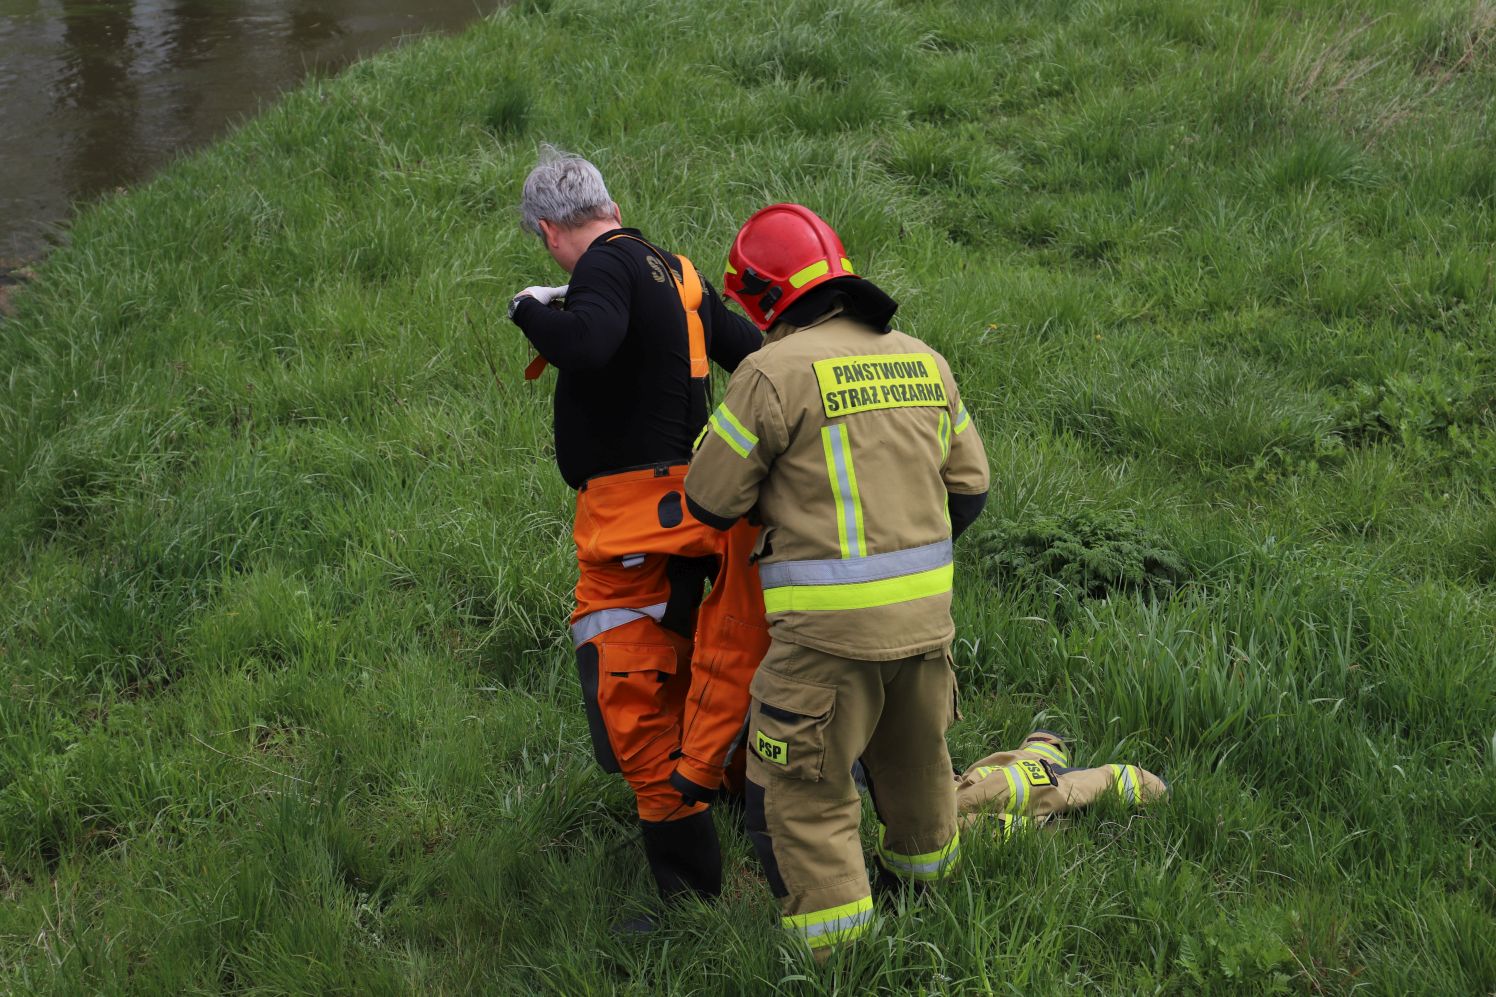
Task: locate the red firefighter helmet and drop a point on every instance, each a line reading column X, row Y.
column 780, row 253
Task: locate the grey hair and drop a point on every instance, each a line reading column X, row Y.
column 564, row 189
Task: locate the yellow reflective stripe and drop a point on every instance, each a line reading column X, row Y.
column 851, row 537
column 928, row 866
column 727, row 437
column 1018, row 790
column 847, row 265
column 1048, row 751
column 861, row 547
column 859, row 595
column 810, row 273
column 943, row 431
column 1127, row 781
column 843, row 923
column 837, row 498
column 732, row 420
column 700, row 436
column 962, row 419
column 727, row 426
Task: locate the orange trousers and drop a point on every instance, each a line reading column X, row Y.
column 664, row 674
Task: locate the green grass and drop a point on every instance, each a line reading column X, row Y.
column 286, row 704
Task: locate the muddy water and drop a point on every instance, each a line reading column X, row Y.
column 97, row 96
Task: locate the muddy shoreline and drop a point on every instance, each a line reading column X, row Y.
column 14, row 275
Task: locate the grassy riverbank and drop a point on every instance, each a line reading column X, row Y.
column 285, row 701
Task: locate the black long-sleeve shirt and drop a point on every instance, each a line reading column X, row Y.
column 624, row 396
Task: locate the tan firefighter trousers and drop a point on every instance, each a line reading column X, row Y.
column 815, row 714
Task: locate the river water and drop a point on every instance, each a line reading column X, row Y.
column 98, row 96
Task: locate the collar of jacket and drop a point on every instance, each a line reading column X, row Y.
column 614, row 233
column 779, row 330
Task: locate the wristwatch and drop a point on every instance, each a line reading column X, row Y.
column 514, row 302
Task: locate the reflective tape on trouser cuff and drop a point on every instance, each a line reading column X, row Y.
column 927, row 867
column 858, row 595
column 820, row 928
column 1128, row 781
column 1008, row 825
column 595, row 624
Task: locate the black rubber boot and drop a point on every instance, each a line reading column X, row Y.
column 642, row 924
column 684, row 856
column 685, row 860
column 889, row 887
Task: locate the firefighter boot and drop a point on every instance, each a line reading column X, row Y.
column 684, row 856
column 889, row 887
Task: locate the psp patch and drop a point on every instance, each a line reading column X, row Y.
column 771, row 750
column 849, row 385
column 1035, row 773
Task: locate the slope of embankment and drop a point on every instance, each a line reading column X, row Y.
column 285, row 699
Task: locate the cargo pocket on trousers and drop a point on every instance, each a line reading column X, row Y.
column 955, row 714
column 787, row 725
column 631, row 695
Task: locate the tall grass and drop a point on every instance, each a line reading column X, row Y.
column 285, row 701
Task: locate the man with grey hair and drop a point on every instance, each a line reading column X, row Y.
column 664, row 674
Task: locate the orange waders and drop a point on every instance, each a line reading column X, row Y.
column 664, row 675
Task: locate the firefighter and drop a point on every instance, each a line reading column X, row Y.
column 1035, row 783
column 852, row 446
column 664, row 676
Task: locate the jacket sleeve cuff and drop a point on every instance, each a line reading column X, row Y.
column 517, row 307
column 964, row 511
column 695, row 782
column 708, row 517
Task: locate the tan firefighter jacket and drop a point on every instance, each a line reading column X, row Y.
column 1033, row 784
column 847, row 441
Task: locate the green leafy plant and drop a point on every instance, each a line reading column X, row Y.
column 1248, row 959
column 1086, row 555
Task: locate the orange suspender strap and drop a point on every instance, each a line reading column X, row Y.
column 688, row 286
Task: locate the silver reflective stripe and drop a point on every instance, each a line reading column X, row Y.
column 838, row 924
column 874, row 567
column 850, row 512
column 1019, row 788
column 1046, row 750
column 727, row 428
column 923, row 868
column 603, row 620
column 1129, row 788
